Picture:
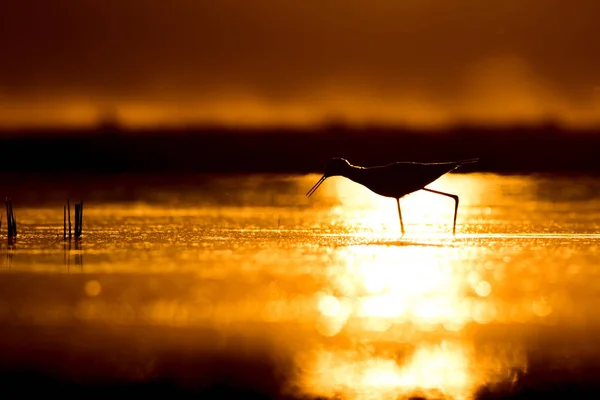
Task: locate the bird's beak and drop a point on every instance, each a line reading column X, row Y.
column 316, row 186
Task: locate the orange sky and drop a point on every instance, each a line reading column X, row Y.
column 425, row 62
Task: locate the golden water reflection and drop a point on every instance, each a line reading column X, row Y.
column 425, row 212
column 328, row 285
column 419, row 295
column 434, row 369
column 447, row 369
column 422, row 285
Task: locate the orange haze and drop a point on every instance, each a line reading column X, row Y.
column 430, row 62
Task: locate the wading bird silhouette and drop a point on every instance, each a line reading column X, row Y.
column 394, row 180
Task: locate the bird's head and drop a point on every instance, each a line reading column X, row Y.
column 335, row 167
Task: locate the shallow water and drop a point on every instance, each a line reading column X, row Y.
column 243, row 280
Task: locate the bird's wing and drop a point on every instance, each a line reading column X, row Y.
column 424, row 171
column 402, row 177
column 468, row 161
column 449, row 163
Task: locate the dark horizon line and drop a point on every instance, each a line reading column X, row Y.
column 527, row 150
column 327, row 125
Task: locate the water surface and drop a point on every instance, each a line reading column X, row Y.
column 244, row 282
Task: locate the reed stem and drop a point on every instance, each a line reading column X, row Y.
column 69, row 215
column 10, row 219
column 64, row 222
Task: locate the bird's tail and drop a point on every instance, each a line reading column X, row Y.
column 460, row 163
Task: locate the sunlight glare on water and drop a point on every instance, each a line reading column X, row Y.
column 325, row 286
column 430, row 370
column 373, row 213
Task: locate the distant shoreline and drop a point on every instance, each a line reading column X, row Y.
column 546, row 148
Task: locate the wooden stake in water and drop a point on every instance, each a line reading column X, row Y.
column 69, row 215
column 80, row 223
column 64, row 222
column 10, row 218
column 76, row 220
column 14, row 220
column 8, row 225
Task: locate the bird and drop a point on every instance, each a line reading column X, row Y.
column 394, row 180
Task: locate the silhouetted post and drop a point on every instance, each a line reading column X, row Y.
column 13, row 230
column 80, row 218
column 10, row 218
column 64, row 222
column 69, row 215
column 79, row 222
column 14, row 220
column 8, row 226
column 76, row 219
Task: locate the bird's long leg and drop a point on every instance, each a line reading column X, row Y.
column 400, row 215
column 455, row 197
